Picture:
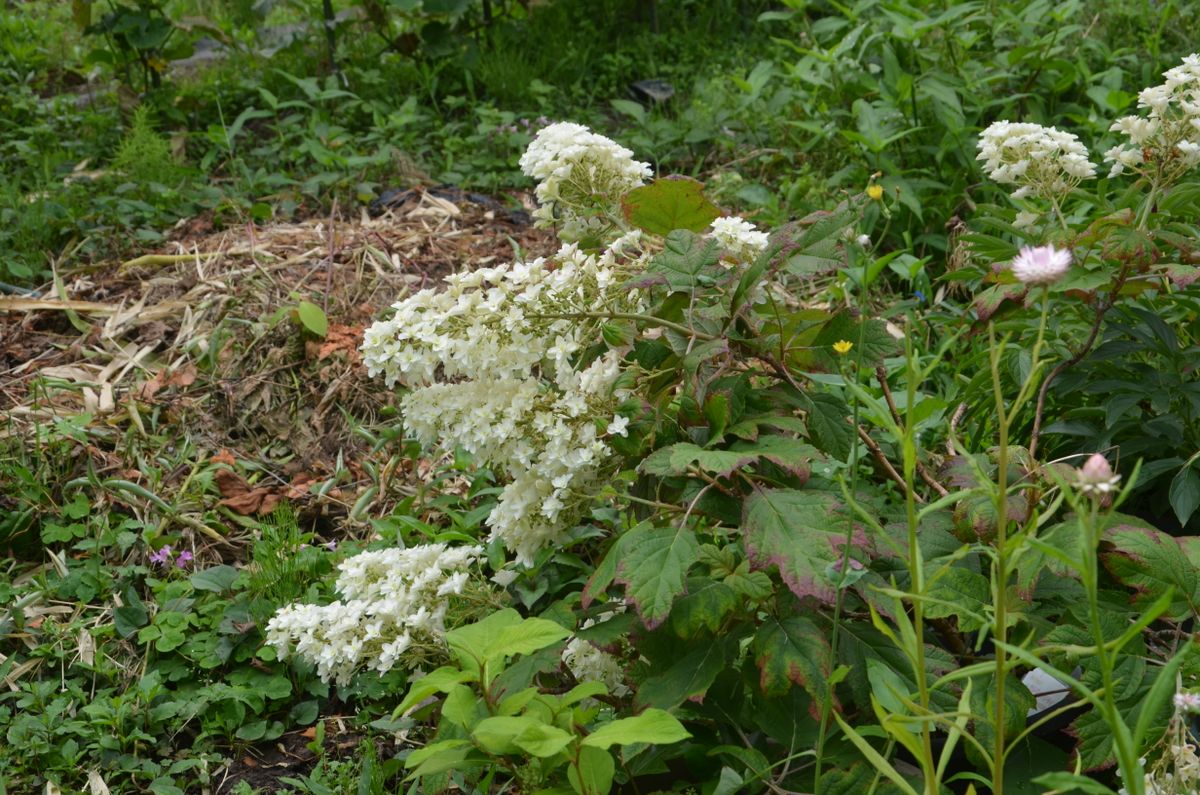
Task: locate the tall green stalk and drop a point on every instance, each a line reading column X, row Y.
column 916, row 570
column 1006, row 415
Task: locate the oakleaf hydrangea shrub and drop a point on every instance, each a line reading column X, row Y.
column 504, row 363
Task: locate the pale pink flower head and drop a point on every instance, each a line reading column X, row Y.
column 1096, row 476
column 1041, row 265
column 1187, row 702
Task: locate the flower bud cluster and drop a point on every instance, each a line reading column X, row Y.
column 391, row 600
column 741, row 239
column 581, row 178
column 1166, row 140
column 1041, row 161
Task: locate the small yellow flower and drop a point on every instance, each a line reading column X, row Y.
column 875, row 192
column 843, row 346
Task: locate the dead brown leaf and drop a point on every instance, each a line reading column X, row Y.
column 224, row 457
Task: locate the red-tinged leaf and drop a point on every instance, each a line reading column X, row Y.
column 793, row 651
column 653, row 565
column 1150, row 562
column 802, row 533
column 668, row 204
column 1182, row 275
column 988, row 302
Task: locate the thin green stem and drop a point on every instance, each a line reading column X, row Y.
column 1130, row 767
column 1001, row 562
column 649, row 319
column 916, row 566
column 1000, row 570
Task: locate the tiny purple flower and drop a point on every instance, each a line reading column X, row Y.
column 161, row 557
column 183, row 560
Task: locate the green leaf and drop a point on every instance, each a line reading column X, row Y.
column 668, row 204
column 438, row 757
column 816, row 241
column 828, row 424
column 704, row 607
column 128, row 619
column 462, row 707
column 790, row 453
column 543, row 740
column 686, row 262
column 964, row 595
column 652, row 726
column 793, row 651
column 691, row 675
column 872, row 343
column 1062, row 781
column 440, row 681
column 502, row 634
column 508, row 735
column 592, row 774
column 1185, row 493
column 78, row 507
column 215, row 579
column 312, row 317
column 678, row 458
column 874, row 757
column 801, row 532
column 653, row 565
column 497, row 734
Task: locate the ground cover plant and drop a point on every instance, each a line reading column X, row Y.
column 866, row 466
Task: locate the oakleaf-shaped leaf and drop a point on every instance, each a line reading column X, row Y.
column 1153, row 562
column 828, row 425
column 653, row 565
column 814, row 241
column 793, row 651
column 676, row 459
column 668, row 204
column 686, row 261
column 802, row 533
column 785, row 451
column 872, row 342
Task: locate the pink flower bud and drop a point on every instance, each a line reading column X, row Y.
column 1096, row 476
column 1041, row 265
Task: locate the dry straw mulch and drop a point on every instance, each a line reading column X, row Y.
column 200, row 343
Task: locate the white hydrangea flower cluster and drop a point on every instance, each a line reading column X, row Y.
column 391, row 600
column 1169, row 134
column 492, row 361
column 1177, row 771
column 587, row 663
column 1177, row 774
column 546, row 439
column 1042, row 161
column 581, row 178
column 740, row 238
